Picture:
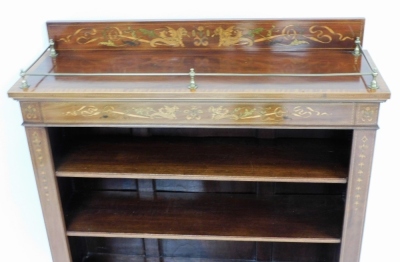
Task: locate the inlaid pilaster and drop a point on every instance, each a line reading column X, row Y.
column 48, row 192
column 357, row 193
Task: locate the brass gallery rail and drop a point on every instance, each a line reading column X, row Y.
column 192, row 85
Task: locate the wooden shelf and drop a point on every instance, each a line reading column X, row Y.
column 113, row 258
column 124, row 258
column 241, row 217
column 238, row 159
column 127, row 258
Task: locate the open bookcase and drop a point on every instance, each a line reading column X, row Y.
column 211, row 141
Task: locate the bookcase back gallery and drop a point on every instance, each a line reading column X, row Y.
column 239, row 140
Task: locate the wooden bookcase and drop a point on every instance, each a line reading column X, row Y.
column 211, row 141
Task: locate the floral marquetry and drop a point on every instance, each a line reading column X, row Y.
column 198, row 113
column 31, row 112
column 266, row 34
column 367, row 114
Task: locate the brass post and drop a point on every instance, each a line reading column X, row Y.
column 53, row 52
column 357, row 51
column 374, row 84
column 24, row 83
column 192, row 86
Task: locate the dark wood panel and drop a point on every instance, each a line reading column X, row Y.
column 172, row 185
column 242, row 159
column 207, row 216
column 300, row 252
column 103, row 184
column 78, row 248
column 127, row 249
column 308, row 189
column 120, row 246
column 208, row 249
column 227, row 35
column 113, row 258
column 121, row 258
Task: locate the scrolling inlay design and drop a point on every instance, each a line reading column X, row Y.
column 271, row 113
column 268, row 113
column 167, row 112
column 240, row 113
column 289, row 35
column 39, row 158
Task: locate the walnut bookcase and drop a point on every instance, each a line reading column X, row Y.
column 203, row 140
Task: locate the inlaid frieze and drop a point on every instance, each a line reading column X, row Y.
column 199, row 113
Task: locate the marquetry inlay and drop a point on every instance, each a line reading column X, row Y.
column 31, row 111
column 171, row 112
column 367, row 114
column 198, row 35
column 361, row 169
column 39, row 158
column 167, row 112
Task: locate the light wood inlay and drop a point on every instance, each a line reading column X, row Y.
column 267, row 34
column 195, row 113
column 367, row 114
column 48, row 193
column 357, row 193
column 31, row 112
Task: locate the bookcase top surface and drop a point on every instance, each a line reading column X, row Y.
column 231, row 60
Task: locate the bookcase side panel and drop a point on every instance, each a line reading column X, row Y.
column 357, row 194
column 43, row 166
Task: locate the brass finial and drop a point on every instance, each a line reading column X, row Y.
column 192, row 86
column 53, row 52
column 357, row 50
column 24, row 83
column 374, row 84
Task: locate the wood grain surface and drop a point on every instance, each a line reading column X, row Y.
column 311, row 219
column 237, row 159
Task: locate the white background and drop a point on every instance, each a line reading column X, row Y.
column 23, row 38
